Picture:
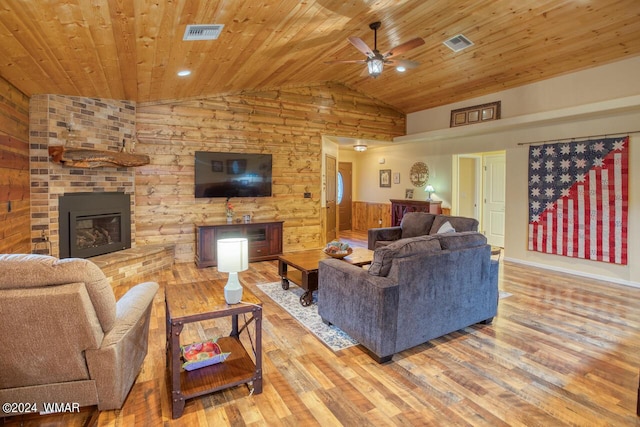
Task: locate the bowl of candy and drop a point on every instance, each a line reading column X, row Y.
column 337, row 249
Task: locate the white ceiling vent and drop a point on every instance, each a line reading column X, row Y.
column 458, row 43
column 202, row 32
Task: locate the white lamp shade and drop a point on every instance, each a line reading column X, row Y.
column 430, row 188
column 233, row 255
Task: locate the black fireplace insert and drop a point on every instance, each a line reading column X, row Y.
column 93, row 224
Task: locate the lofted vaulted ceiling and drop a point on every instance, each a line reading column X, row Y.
column 132, row 49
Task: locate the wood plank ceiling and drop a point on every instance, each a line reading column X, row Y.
column 132, row 49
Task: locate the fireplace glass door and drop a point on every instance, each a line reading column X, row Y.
column 92, row 231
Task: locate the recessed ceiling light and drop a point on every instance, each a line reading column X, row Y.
column 401, row 69
column 184, row 73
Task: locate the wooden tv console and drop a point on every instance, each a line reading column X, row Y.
column 265, row 240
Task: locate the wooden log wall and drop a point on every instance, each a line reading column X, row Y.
column 287, row 123
column 368, row 215
column 14, row 170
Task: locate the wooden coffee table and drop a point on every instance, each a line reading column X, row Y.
column 304, row 272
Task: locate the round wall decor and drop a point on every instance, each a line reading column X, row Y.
column 419, row 174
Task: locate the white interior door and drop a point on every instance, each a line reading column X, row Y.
column 494, row 198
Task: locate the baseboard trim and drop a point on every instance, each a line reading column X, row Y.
column 575, row 272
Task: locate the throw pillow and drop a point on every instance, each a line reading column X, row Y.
column 446, row 228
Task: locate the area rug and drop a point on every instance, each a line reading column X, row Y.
column 332, row 336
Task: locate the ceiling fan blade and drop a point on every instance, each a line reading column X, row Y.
column 346, row 61
column 404, row 47
column 402, row 63
column 361, row 46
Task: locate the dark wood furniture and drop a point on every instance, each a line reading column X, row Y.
column 305, row 268
column 265, row 240
column 399, row 207
column 195, row 302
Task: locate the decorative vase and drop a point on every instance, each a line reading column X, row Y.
column 229, row 219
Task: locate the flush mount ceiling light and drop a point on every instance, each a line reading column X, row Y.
column 400, row 69
column 184, row 73
column 360, row 147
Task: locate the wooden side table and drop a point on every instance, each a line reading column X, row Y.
column 195, row 302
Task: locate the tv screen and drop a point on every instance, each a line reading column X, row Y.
column 232, row 174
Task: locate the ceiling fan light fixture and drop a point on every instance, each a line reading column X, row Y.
column 375, row 66
column 401, row 69
column 360, row 147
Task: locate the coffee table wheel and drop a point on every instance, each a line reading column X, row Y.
column 306, row 298
column 285, row 283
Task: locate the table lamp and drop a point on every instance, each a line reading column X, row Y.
column 429, row 189
column 233, row 256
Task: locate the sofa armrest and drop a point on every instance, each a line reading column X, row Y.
column 362, row 305
column 384, row 234
column 115, row 365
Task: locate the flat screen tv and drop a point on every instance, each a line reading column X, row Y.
column 232, row 174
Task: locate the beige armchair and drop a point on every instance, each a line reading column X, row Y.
column 63, row 336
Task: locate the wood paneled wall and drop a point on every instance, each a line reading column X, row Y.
column 368, row 215
column 14, row 170
column 286, row 122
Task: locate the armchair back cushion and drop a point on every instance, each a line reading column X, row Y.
column 415, row 224
column 20, row 271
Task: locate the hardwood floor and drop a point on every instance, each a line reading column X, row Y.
column 563, row 350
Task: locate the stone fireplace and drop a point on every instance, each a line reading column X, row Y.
column 78, row 122
column 92, row 224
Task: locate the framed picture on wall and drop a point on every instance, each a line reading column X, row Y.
column 408, row 193
column 475, row 114
column 385, row 178
column 396, row 177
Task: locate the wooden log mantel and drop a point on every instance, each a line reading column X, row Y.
column 87, row 158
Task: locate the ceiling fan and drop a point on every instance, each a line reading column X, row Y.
column 375, row 60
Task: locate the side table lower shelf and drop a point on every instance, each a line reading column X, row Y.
column 237, row 369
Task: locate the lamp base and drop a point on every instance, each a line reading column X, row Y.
column 233, row 289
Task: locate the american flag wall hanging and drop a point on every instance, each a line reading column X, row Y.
column 578, row 199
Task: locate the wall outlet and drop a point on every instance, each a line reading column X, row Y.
column 380, row 222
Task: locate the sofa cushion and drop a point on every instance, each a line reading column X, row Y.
column 460, row 223
column 466, row 239
column 383, row 257
column 415, row 224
